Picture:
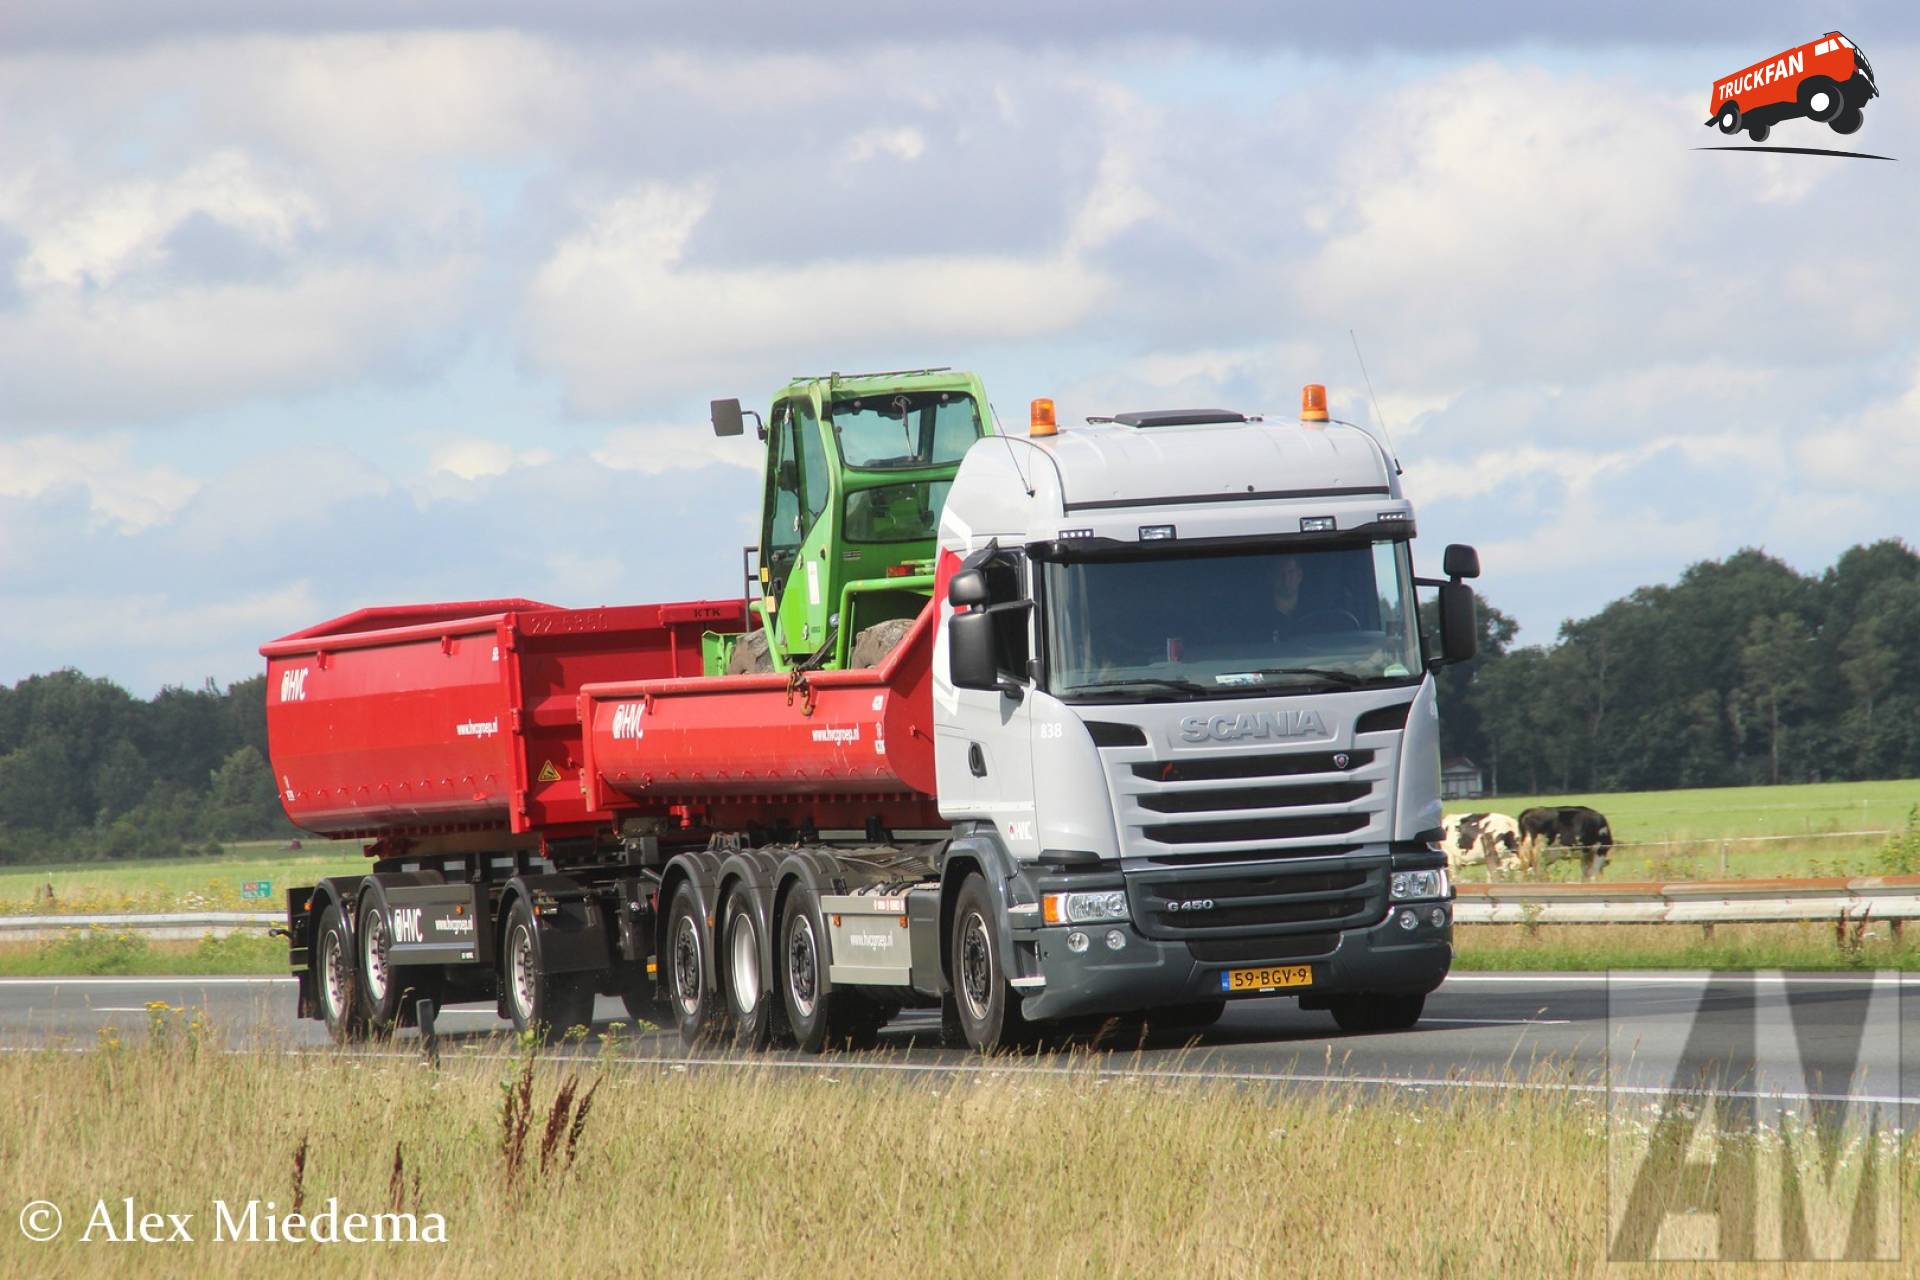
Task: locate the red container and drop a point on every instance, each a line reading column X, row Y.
column 830, row 748
column 425, row 719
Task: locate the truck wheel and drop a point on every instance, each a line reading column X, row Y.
column 1758, row 132
column 819, row 1019
column 552, row 1002
column 989, row 1014
column 643, row 1003
column 697, row 1010
column 379, row 985
column 751, row 655
column 336, row 984
column 1820, row 98
column 1729, row 118
column 749, row 1004
column 1377, row 1010
column 1848, row 120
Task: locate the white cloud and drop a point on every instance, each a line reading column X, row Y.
column 655, row 450
column 618, row 313
column 479, row 459
column 899, row 143
column 120, row 493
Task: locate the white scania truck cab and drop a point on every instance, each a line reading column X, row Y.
column 1186, row 729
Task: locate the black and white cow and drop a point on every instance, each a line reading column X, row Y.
column 1471, row 839
column 1553, row 832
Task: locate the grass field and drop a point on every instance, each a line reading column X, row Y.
column 174, row 884
column 1768, row 831
column 1577, row 947
column 748, row 1171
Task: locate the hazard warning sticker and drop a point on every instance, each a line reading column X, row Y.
column 548, row 773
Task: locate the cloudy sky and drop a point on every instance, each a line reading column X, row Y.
column 307, row 307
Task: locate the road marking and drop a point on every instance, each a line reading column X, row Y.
column 1503, row 1022
column 1690, row 978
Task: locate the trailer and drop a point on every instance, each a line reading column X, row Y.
column 1160, row 735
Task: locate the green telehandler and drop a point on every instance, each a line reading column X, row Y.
column 857, row 470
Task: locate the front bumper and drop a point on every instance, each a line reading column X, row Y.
column 1148, row 973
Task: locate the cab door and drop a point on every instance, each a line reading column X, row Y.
column 796, row 535
column 983, row 738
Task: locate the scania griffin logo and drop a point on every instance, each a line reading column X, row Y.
column 1254, row 724
column 1191, row 904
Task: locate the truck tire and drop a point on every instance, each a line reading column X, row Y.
column 697, row 1008
column 1848, row 120
column 988, row 1011
column 336, row 983
column 552, row 1003
column 644, row 1003
column 751, row 655
column 1377, row 1010
column 1729, row 118
column 819, row 1019
column 1758, row 131
column 389, row 995
column 1820, row 98
column 874, row 643
column 749, row 1002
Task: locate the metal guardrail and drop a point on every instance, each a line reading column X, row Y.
column 1894, row 898
column 169, row 927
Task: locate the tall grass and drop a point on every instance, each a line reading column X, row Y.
column 745, row 1170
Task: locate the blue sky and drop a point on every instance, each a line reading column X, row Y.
column 304, row 309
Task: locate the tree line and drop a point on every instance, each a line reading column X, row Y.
column 1744, row 671
column 87, row 770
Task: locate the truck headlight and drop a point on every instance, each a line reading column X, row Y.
column 1417, row 884
column 1084, row 908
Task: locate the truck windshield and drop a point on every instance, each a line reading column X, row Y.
column 905, row 430
column 1171, row 627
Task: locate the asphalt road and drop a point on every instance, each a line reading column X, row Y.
column 1808, row 1036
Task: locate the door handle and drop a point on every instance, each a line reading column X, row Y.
column 976, row 760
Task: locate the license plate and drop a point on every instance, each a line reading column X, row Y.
column 1270, row 978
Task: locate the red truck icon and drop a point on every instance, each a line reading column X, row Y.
column 1827, row 80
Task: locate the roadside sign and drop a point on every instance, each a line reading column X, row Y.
column 256, row 888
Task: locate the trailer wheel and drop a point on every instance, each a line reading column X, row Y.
column 389, row 994
column 1848, row 120
column 989, row 1015
column 1729, row 118
column 749, row 1003
column 1377, row 1010
column 819, row 1019
column 552, row 1002
column 697, row 1008
column 336, row 983
column 1820, row 98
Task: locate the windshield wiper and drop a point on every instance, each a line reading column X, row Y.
column 1141, row 682
column 1324, row 673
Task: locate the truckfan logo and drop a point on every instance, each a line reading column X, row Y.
column 1253, row 724
column 1827, row 81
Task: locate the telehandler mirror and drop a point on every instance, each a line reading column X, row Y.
column 726, row 417
column 1459, row 634
column 970, row 651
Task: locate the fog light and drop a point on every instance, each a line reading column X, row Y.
column 1115, row 939
column 1076, row 942
column 1438, row 915
column 1408, row 919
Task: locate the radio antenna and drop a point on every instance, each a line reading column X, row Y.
column 1377, row 415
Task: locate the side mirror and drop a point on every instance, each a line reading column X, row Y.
column 970, row 651
column 726, row 417
column 968, row 587
column 1459, row 631
column 1461, row 562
